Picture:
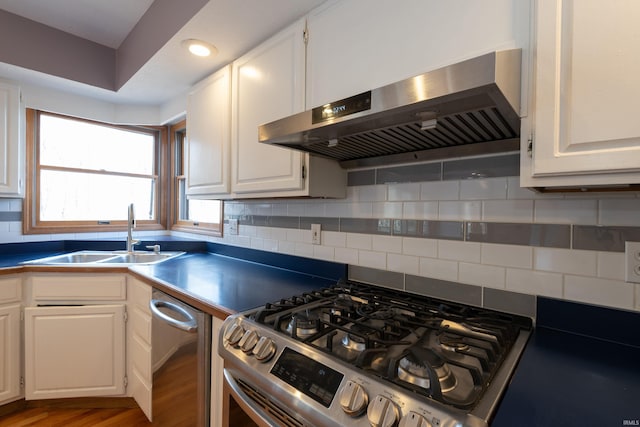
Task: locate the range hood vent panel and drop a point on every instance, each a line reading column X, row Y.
column 473, row 102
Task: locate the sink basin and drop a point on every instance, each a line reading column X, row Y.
column 105, row 258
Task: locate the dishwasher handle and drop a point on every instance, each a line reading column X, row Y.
column 189, row 325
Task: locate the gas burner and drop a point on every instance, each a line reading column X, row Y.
column 356, row 338
column 452, row 343
column 416, row 368
column 305, row 324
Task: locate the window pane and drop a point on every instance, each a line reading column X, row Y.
column 203, row 211
column 78, row 144
column 68, row 196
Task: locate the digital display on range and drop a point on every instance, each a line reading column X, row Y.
column 344, row 107
column 308, row 376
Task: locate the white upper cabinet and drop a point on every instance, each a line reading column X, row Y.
column 268, row 84
column 208, row 136
column 586, row 94
column 11, row 146
column 358, row 45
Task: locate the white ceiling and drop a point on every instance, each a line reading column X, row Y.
column 232, row 26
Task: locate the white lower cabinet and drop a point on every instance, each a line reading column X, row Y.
column 74, row 351
column 74, row 335
column 217, row 379
column 10, row 338
column 10, row 351
column 139, row 369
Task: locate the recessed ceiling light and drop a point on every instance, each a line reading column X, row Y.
column 199, row 47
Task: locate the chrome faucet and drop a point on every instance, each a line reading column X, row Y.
column 131, row 224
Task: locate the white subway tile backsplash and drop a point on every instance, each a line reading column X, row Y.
column 346, row 255
column 420, row 210
column 534, row 282
column 391, row 244
column 372, row 259
column 359, row 210
column 338, row 209
column 459, row 251
column 287, row 247
column 420, row 247
column 612, row 293
column 507, row 255
column 404, row 192
column 333, row 238
column 507, row 210
column 368, row 193
column 359, row 241
column 611, row 265
column 460, row 211
column 583, row 212
column 296, row 209
column 304, row 249
column 621, row 212
column 440, row 190
column 315, row 209
column 483, row 189
column 323, row 252
column 403, row 263
column 387, row 210
column 439, row 269
column 565, row 261
column 482, row 275
column 294, row 235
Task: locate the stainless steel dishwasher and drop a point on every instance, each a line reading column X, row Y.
column 181, row 358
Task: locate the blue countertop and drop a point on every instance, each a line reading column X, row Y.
column 228, row 284
column 581, row 367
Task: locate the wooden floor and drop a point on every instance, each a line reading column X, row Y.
column 74, row 417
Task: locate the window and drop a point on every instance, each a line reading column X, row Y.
column 83, row 174
column 190, row 215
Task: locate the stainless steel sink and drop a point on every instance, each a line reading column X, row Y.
column 105, row 258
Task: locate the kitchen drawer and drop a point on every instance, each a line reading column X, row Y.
column 99, row 287
column 10, row 289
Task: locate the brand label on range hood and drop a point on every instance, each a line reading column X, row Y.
column 344, row 107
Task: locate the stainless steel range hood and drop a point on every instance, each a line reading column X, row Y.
column 466, row 108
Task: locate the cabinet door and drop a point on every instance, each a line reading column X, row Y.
column 11, row 155
column 9, row 352
column 208, row 139
column 359, row 45
column 587, row 89
column 74, row 351
column 268, row 84
column 139, row 368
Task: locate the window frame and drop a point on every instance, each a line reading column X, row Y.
column 31, row 223
column 177, row 141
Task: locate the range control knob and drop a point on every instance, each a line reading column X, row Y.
column 248, row 341
column 233, row 333
column 382, row 412
column 353, row 399
column 413, row 419
column 264, row 349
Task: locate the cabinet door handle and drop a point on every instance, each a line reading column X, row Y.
column 189, row 325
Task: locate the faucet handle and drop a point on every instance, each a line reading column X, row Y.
column 156, row 248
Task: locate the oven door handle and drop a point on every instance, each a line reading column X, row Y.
column 258, row 414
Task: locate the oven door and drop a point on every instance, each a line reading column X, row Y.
column 247, row 406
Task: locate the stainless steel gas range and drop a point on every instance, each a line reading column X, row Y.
column 360, row 355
